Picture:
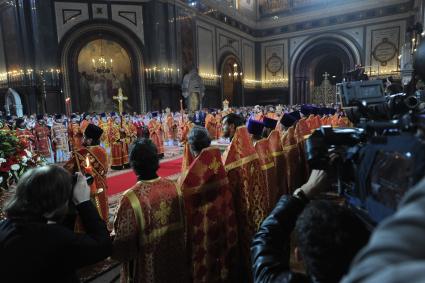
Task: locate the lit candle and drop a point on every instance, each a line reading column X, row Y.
column 88, row 170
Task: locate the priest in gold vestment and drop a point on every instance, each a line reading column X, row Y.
column 210, row 214
column 92, row 159
column 156, row 133
column 249, row 189
column 149, row 224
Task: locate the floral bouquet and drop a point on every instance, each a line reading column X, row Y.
column 15, row 158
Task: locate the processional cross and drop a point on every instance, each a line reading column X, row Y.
column 120, row 98
column 326, row 75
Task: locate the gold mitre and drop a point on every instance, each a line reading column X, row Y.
column 279, row 109
column 225, row 104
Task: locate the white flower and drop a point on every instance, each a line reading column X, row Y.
column 25, row 159
column 2, row 160
column 1, row 180
column 15, row 167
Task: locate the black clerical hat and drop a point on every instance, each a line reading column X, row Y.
column 93, row 132
column 269, row 123
column 255, row 127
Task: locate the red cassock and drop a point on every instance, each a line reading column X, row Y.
column 156, row 135
column 293, row 174
column 150, row 234
column 210, row 219
column 187, row 157
column 99, row 168
column 42, row 136
column 279, row 160
column 249, row 192
column 269, row 170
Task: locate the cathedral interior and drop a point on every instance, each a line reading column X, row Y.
column 58, row 55
column 212, row 141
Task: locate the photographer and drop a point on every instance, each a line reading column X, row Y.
column 328, row 237
column 34, row 246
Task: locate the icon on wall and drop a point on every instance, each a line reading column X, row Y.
column 384, row 51
column 274, row 64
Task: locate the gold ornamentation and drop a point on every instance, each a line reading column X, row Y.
column 163, row 213
column 215, row 165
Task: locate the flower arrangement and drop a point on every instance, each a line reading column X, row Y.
column 15, row 158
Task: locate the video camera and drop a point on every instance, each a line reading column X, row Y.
column 384, row 155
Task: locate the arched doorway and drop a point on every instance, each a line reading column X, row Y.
column 13, row 104
column 103, row 68
column 331, row 54
column 231, row 78
column 90, row 80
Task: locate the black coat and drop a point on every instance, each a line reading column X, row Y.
column 270, row 248
column 41, row 252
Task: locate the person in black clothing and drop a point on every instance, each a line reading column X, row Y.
column 34, row 245
column 328, row 237
column 230, row 123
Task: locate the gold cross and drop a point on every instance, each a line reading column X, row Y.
column 163, row 213
column 214, row 165
column 326, row 75
column 120, row 98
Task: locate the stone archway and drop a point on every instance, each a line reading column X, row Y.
column 311, row 59
column 80, row 36
column 13, row 104
column 193, row 90
column 231, row 71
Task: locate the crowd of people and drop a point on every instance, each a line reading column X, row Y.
column 54, row 137
column 199, row 229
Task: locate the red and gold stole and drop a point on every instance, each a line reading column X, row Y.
column 302, row 131
column 249, row 191
column 269, row 170
column 42, row 135
column 99, row 166
column 210, row 125
column 117, row 146
column 292, row 160
column 279, row 161
column 149, row 225
column 156, row 135
column 187, row 157
column 218, row 132
column 210, row 219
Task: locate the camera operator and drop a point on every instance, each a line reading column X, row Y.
column 328, row 237
column 34, row 246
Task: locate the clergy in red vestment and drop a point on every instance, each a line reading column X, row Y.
column 169, row 127
column 75, row 134
column 262, row 147
column 210, row 215
column 279, row 160
column 293, row 167
column 42, row 138
column 23, row 133
column 119, row 150
column 211, row 124
column 156, row 134
column 219, row 126
column 92, row 159
column 85, row 122
column 249, row 189
column 149, row 224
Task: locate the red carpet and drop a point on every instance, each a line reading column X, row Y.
column 122, row 182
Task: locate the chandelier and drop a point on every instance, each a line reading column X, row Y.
column 235, row 72
column 102, row 65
